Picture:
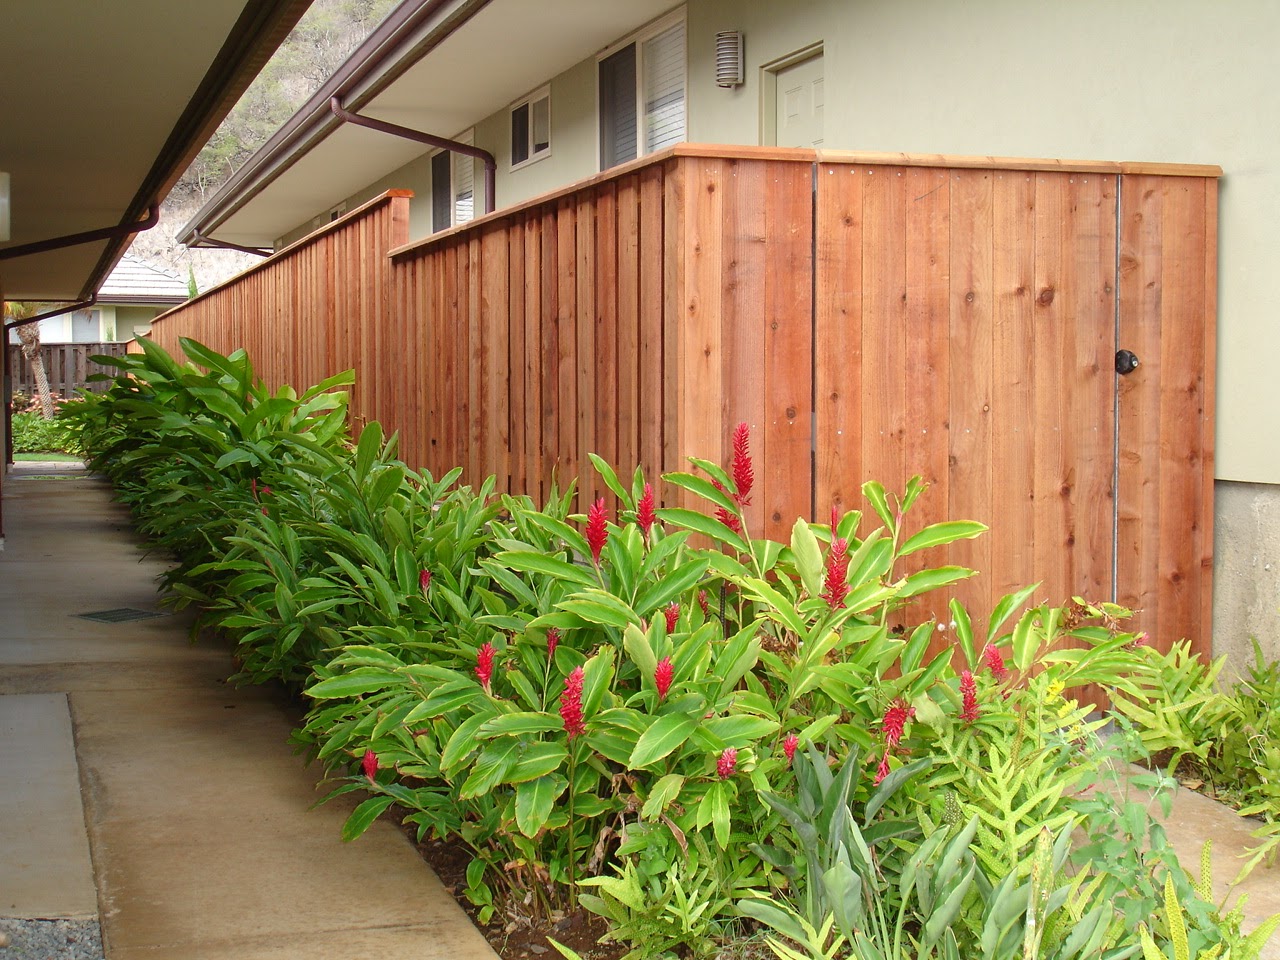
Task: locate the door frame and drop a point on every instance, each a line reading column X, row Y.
column 769, row 89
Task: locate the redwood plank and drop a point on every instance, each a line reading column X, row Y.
column 1141, row 267
column 884, row 411
column 971, row 483
column 786, row 479
column 743, row 286
column 1013, row 435
column 628, row 455
column 653, row 264
column 838, row 349
column 605, row 358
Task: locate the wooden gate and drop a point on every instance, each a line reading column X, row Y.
column 966, row 330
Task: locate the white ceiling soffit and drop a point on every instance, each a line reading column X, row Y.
column 504, row 50
column 101, row 107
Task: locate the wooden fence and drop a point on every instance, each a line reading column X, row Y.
column 66, row 365
column 868, row 316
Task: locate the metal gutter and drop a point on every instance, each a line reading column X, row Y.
column 431, row 140
column 407, row 35
column 118, row 232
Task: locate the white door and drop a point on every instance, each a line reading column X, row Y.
column 799, row 104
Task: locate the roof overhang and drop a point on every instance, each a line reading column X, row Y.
column 103, row 106
column 438, row 66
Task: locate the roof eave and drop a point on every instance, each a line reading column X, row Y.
column 260, row 29
column 408, row 34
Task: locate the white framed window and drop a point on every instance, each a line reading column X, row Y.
column 531, row 128
column 641, row 86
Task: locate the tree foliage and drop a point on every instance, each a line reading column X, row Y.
column 313, row 51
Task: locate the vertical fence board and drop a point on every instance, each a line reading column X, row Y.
column 838, row 350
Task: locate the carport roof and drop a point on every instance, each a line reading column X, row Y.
column 103, row 106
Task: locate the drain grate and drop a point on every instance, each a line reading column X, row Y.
column 120, row 615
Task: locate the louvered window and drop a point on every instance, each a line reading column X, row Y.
column 663, row 64
column 642, row 95
column 464, row 186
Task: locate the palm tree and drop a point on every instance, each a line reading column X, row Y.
column 29, row 334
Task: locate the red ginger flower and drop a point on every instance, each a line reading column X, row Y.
column 743, row 475
column 727, row 763
column 789, row 745
column 727, row 517
column 369, row 764
column 662, row 676
column 597, row 535
column 424, row 580
column 646, row 515
column 882, row 771
column 553, row 641
column 895, row 722
column 571, row 704
column 835, row 586
column 703, row 603
column 969, row 697
column 672, row 614
column 484, row 665
column 995, row 663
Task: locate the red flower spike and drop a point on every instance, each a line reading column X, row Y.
column 743, row 475
column 253, row 487
column 895, row 722
column 424, row 580
column 704, row 604
column 672, row 613
column 789, row 745
column 969, row 697
column 727, row 763
column 995, row 663
column 835, row 586
column 484, row 665
column 835, row 519
column 882, row 771
column 553, row 641
column 571, row 704
column 265, row 490
column 662, row 676
column 727, row 517
column 369, row 765
column 646, row 515
column 597, row 535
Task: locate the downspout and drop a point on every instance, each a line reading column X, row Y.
column 202, row 241
column 87, row 236
column 431, row 140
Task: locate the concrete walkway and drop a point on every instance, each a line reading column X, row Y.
column 139, row 787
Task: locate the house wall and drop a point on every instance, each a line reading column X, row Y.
column 134, row 321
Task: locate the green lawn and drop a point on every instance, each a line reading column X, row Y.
column 46, row 457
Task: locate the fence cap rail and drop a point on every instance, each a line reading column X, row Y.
column 302, row 242
column 1030, row 164
column 808, row 155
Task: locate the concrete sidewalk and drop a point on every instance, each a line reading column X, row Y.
column 139, row 787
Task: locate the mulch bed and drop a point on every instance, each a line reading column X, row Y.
column 512, row 934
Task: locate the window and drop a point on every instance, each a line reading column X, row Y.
column 642, row 101
column 531, row 128
column 452, row 187
column 464, row 186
